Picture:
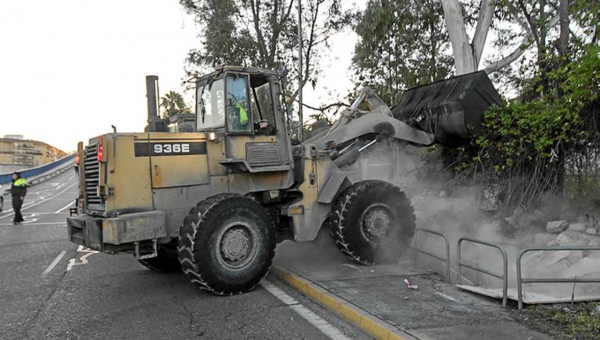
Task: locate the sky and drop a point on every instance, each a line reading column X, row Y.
column 69, row 69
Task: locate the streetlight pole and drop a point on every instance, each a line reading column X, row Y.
column 300, row 118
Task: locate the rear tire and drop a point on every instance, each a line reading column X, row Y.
column 372, row 222
column 1, row 203
column 166, row 261
column 227, row 244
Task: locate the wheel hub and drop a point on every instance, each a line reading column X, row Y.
column 377, row 222
column 235, row 245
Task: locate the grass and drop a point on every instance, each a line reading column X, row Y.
column 580, row 321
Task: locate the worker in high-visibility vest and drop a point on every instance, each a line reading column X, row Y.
column 76, row 166
column 18, row 190
column 242, row 118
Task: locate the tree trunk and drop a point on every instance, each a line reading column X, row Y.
column 461, row 49
column 563, row 13
column 486, row 13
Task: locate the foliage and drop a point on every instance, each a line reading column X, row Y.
column 528, row 144
column 255, row 33
column 532, row 27
column 172, row 103
column 579, row 321
column 401, row 44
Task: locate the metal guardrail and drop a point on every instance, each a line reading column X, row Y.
column 445, row 260
column 33, row 172
column 521, row 280
column 503, row 277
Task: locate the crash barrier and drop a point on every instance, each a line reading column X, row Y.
column 503, row 277
column 32, row 174
column 521, row 280
column 445, row 260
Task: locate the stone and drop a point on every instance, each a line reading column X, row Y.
column 556, row 227
column 582, row 227
column 583, row 267
column 543, row 263
column 591, row 231
column 593, row 243
column 575, row 256
column 564, row 240
column 574, row 235
column 544, row 238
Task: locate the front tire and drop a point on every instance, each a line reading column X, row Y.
column 372, row 222
column 227, row 244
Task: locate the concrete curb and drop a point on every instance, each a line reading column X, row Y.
column 361, row 319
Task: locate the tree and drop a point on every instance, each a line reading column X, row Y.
column 264, row 33
column 401, row 44
column 467, row 55
column 172, row 104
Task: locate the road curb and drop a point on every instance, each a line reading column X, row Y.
column 361, row 319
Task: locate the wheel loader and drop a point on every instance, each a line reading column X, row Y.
column 215, row 197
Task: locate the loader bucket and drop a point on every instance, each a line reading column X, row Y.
column 451, row 109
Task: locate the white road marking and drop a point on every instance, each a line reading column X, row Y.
column 38, row 224
column 40, row 202
column 88, row 252
column 54, row 263
column 305, row 313
column 65, row 207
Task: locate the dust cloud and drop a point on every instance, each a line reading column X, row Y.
column 458, row 213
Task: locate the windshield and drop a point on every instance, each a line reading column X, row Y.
column 211, row 105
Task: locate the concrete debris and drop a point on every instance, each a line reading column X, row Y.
column 539, row 264
column 591, row 231
column 544, row 238
column 556, row 227
column 564, row 240
column 578, row 226
column 573, row 235
column 587, row 267
column 575, row 257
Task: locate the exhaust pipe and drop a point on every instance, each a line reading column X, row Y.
column 155, row 123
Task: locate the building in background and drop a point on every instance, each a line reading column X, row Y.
column 18, row 153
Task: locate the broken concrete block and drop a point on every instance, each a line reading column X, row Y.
column 585, row 239
column 575, row 256
column 591, row 231
column 544, row 238
column 578, row 227
column 545, row 263
column 593, row 243
column 564, row 240
column 556, row 227
column 585, row 266
column 573, row 235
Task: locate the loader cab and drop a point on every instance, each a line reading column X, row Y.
column 243, row 109
column 238, row 103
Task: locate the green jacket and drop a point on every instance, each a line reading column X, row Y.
column 19, row 187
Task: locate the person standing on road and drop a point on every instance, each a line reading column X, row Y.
column 18, row 190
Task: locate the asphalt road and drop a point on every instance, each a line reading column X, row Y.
column 53, row 289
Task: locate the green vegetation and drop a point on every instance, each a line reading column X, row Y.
column 546, row 137
column 580, row 321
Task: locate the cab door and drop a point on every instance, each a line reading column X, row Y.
column 255, row 139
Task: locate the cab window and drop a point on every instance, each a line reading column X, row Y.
column 211, row 106
column 238, row 110
column 262, row 106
